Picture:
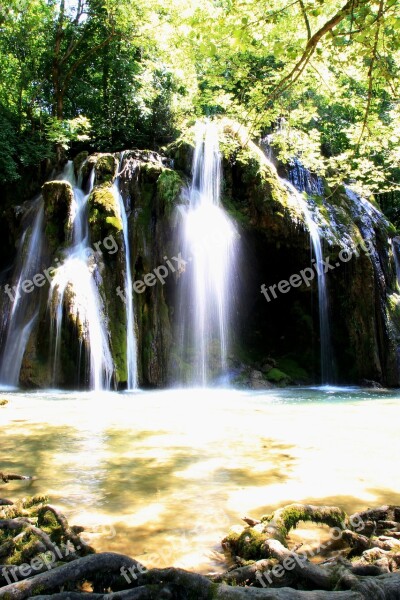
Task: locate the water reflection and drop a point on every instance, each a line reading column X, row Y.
column 171, row 471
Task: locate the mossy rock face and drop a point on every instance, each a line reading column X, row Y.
column 79, row 161
column 151, row 171
column 58, row 197
column 293, row 370
column 113, row 278
column 169, row 187
column 154, row 336
column 87, row 168
column 106, row 168
column 182, row 153
column 104, row 213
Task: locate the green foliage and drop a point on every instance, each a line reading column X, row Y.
column 330, row 99
column 8, row 144
column 64, row 132
column 140, row 72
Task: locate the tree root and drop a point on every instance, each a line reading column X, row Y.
column 6, row 477
column 80, row 569
column 365, row 567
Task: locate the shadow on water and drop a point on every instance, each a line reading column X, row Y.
column 171, row 475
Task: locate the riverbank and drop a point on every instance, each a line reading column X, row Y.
column 45, row 558
column 169, row 472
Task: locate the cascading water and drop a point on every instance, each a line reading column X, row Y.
column 208, row 242
column 131, row 345
column 22, row 311
column 323, row 305
column 368, row 218
column 76, row 283
column 301, row 180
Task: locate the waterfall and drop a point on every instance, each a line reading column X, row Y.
column 76, row 283
column 302, row 180
column 208, row 242
column 23, row 309
column 396, row 255
column 327, row 369
column 368, row 219
column 131, row 345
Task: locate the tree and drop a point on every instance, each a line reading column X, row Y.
column 328, row 69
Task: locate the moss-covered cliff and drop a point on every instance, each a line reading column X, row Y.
column 276, row 341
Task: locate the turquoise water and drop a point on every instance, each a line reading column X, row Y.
column 163, row 475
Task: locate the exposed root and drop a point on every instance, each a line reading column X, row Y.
column 6, row 477
column 364, row 562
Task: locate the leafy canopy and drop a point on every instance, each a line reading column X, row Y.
column 321, row 75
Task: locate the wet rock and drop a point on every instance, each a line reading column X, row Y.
column 258, row 382
column 104, row 214
column 58, row 197
column 368, row 383
column 269, row 364
column 106, row 168
column 79, row 161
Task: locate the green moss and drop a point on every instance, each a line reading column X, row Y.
column 238, row 215
column 292, row 369
column 79, row 160
column 393, row 309
column 182, row 152
column 277, row 376
column 103, row 197
column 115, row 223
column 152, row 171
column 104, row 215
column 25, row 550
column 249, row 544
column 169, row 186
column 106, row 167
column 58, row 197
column 48, row 522
column 287, row 519
column 117, row 321
column 392, row 229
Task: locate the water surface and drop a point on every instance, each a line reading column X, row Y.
column 162, row 476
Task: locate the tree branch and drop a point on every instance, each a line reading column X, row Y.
column 84, row 58
column 370, row 71
column 307, row 22
column 311, row 46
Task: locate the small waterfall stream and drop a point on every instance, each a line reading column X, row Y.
column 23, row 310
column 131, row 344
column 208, row 242
column 301, row 180
column 76, row 283
column 327, row 369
